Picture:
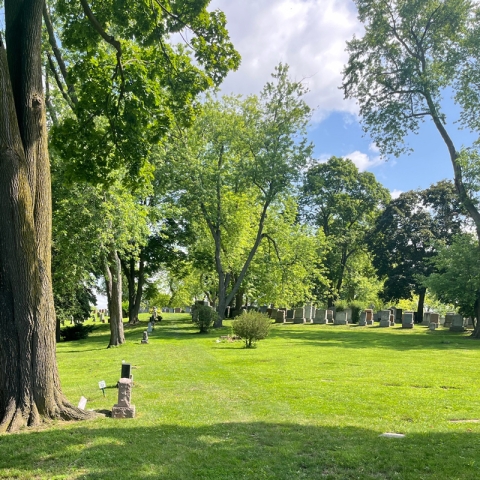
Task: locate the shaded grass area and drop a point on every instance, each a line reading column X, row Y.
column 309, row 402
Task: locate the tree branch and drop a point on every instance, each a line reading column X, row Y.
column 58, row 56
column 110, row 40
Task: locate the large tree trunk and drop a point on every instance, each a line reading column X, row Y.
column 114, row 281
column 29, row 382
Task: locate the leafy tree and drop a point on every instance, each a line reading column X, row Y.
column 403, row 239
column 289, row 263
column 342, row 202
column 234, row 164
column 457, row 276
column 410, row 54
column 29, row 383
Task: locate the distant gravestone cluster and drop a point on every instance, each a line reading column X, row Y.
column 309, row 314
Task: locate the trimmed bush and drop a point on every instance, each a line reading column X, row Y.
column 251, row 326
column 76, row 332
column 203, row 317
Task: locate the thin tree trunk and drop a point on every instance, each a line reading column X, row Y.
column 476, row 329
column 29, row 382
column 129, row 272
column 117, row 336
column 421, row 302
column 140, row 284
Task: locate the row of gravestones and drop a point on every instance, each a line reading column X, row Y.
column 176, row 310
column 386, row 318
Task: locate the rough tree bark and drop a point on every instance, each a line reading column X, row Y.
column 29, row 382
column 113, row 280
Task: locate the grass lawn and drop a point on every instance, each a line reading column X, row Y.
column 310, row 402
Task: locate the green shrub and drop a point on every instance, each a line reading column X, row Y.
column 76, row 332
column 251, row 326
column 356, row 308
column 203, row 317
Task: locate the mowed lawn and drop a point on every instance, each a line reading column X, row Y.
column 309, row 402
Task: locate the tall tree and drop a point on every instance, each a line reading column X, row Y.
column 29, row 383
column 411, row 53
column 343, row 203
column 457, row 277
column 237, row 160
column 403, row 239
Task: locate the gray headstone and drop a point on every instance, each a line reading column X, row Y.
column 320, row 316
column 341, row 318
column 457, row 324
column 384, row 316
column 280, row 318
column 408, row 320
column 299, row 316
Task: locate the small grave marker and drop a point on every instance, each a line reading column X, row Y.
column 102, row 385
column 82, row 403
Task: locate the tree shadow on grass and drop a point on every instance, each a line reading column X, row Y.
column 374, row 337
column 122, row 449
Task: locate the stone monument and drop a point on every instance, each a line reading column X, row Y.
column 341, row 318
column 384, row 316
column 145, row 337
column 457, row 324
column 280, row 318
column 299, row 315
column 123, row 408
column 407, row 320
column 320, row 316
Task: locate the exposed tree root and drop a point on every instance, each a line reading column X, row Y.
column 15, row 417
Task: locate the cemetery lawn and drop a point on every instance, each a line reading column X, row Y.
column 310, row 402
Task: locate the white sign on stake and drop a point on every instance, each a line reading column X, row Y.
column 102, row 384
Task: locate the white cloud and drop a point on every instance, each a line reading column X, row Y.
column 395, row 193
column 364, row 161
column 309, row 35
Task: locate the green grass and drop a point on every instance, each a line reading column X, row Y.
column 310, row 402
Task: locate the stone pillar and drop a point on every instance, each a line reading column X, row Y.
column 309, row 312
column 362, row 322
column 123, row 408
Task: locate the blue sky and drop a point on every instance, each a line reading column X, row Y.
column 310, row 36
